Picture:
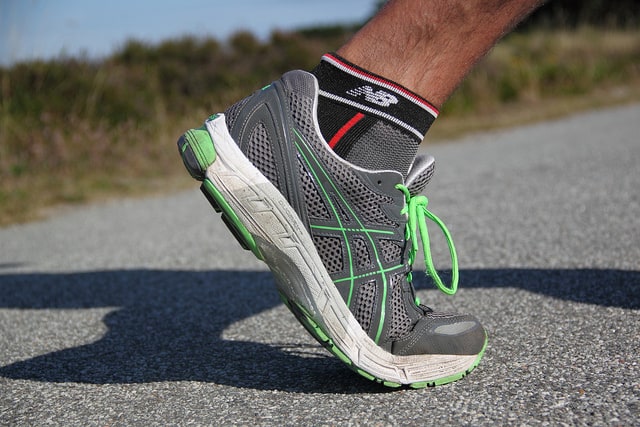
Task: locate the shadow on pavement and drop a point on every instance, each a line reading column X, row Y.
column 168, row 325
column 605, row 287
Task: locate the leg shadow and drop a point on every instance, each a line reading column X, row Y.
column 168, row 326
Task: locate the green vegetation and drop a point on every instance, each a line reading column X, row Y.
column 74, row 130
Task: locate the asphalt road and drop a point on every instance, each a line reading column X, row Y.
column 147, row 312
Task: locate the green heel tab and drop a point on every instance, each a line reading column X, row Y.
column 202, row 146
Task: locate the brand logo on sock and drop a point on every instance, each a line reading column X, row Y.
column 379, row 97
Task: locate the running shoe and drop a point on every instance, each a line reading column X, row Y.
column 340, row 240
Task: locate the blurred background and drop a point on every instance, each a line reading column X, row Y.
column 94, row 94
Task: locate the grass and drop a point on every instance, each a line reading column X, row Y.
column 74, row 131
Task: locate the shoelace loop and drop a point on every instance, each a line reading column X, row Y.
column 416, row 230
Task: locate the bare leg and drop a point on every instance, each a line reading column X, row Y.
column 429, row 46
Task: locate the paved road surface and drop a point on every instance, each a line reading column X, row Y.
column 146, row 312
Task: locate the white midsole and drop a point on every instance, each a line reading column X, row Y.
column 287, row 246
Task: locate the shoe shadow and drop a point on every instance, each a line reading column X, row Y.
column 169, row 325
column 604, row 287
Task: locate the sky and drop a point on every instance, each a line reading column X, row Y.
column 44, row 29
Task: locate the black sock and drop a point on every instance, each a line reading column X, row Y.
column 368, row 120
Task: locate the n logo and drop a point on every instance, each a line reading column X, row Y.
column 379, row 97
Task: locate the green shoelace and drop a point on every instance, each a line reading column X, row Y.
column 417, row 232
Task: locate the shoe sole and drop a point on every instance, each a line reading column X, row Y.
column 263, row 222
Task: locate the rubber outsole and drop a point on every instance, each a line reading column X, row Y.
column 316, row 331
column 199, row 154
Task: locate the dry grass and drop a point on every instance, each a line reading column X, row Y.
column 450, row 127
column 116, row 135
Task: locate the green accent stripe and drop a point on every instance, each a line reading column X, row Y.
column 335, row 212
column 363, row 229
column 366, row 230
column 201, row 145
column 373, row 273
column 244, row 234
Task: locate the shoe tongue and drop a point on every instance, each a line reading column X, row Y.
column 420, row 173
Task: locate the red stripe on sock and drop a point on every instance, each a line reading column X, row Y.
column 345, row 128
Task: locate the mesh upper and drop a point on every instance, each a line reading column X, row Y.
column 260, row 153
column 316, row 207
column 232, row 112
column 365, row 304
column 330, row 250
column 401, row 323
column 355, row 197
column 391, row 251
column 363, row 258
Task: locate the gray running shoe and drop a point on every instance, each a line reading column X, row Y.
column 340, row 240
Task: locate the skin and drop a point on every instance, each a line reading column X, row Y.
column 429, row 46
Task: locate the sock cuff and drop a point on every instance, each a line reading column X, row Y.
column 347, row 83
